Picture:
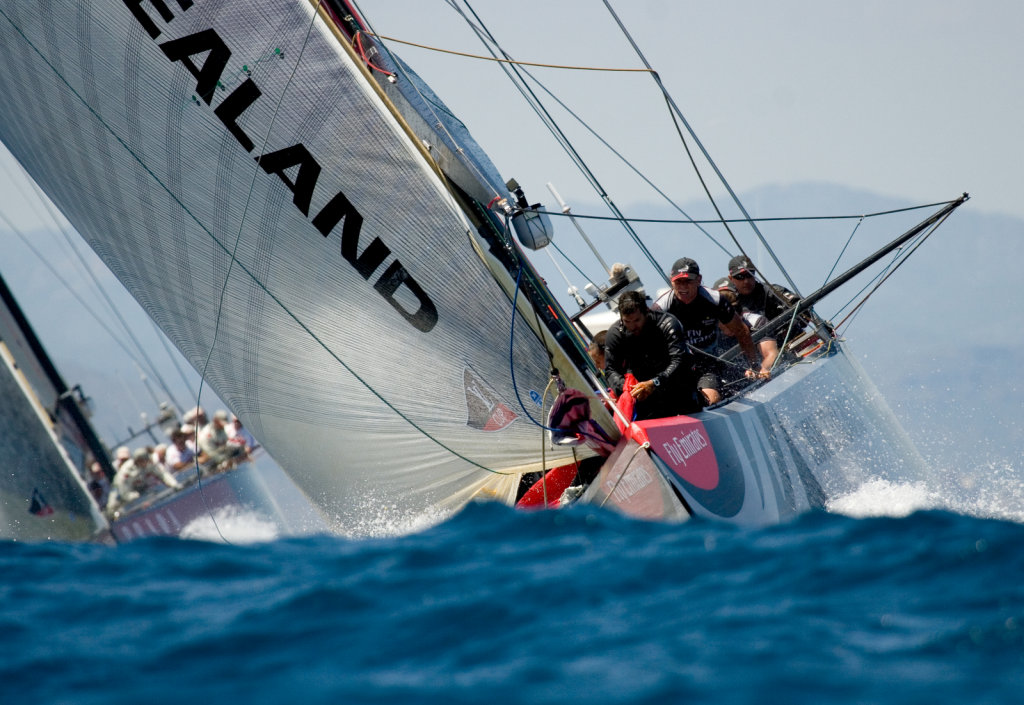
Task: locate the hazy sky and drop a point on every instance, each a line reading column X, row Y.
column 916, row 100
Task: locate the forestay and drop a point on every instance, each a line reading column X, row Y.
column 234, row 167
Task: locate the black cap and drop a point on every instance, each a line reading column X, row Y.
column 684, row 268
column 740, row 263
column 722, row 283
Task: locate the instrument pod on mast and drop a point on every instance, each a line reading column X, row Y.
column 533, row 226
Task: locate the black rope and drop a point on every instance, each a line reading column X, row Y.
column 488, row 39
column 795, row 218
column 920, row 241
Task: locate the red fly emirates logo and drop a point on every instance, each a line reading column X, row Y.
column 486, row 410
column 683, row 444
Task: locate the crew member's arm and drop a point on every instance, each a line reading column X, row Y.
column 769, row 351
column 738, row 329
column 166, row 477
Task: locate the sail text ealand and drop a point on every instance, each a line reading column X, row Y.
column 338, row 208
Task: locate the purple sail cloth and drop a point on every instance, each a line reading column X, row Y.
column 569, row 423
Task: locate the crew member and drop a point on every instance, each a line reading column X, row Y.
column 700, row 310
column 752, row 295
column 650, row 345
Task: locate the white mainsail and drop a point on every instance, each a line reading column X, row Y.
column 236, row 169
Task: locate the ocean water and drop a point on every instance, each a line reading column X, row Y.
column 920, row 604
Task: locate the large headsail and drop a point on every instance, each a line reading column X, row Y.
column 234, row 167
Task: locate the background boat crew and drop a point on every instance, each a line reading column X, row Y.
column 700, row 310
column 98, row 484
column 160, row 454
column 651, row 346
column 133, row 477
column 212, row 440
column 196, row 416
column 181, row 455
column 239, row 435
column 121, row 456
column 189, row 432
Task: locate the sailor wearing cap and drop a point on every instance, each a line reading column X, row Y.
column 768, row 347
column 700, row 310
column 181, row 453
column 195, row 416
column 752, row 295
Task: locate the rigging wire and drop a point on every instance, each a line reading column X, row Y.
column 906, row 256
column 628, row 163
column 842, row 252
column 775, row 219
column 635, row 170
column 900, row 252
column 59, row 277
column 508, row 60
column 511, row 350
column 538, row 107
column 674, row 109
column 67, row 285
column 79, row 259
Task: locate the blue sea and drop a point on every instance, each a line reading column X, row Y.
column 502, row 606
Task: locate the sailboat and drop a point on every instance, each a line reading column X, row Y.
column 47, row 444
column 331, row 250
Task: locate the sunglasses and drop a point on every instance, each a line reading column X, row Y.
column 743, row 275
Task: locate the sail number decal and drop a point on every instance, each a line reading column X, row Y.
column 185, row 50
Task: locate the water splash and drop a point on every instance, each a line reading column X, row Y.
column 877, row 497
column 234, row 525
column 991, row 491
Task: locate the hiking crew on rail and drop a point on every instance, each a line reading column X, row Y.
column 700, row 310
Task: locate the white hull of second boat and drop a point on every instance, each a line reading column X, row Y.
column 247, row 502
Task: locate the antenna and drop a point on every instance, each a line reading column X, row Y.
column 566, row 210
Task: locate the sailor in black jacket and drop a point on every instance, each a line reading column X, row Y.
column 700, row 311
column 651, row 345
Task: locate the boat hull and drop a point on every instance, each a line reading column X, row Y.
column 42, row 496
column 818, row 432
column 246, row 497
